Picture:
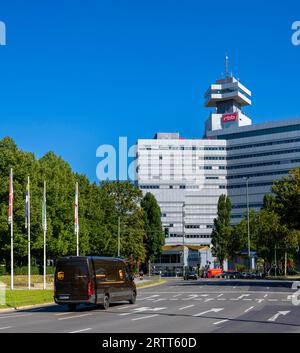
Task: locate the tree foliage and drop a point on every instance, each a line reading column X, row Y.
column 222, row 230
column 154, row 239
column 99, row 209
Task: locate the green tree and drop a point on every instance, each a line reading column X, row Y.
column 154, row 239
column 287, row 198
column 126, row 204
column 222, row 230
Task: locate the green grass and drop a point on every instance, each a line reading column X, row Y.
column 17, row 298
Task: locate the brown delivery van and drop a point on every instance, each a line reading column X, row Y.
column 92, row 280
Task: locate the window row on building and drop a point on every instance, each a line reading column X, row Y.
column 262, row 144
column 277, row 172
column 190, row 236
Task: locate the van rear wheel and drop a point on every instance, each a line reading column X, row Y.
column 72, row 307
column 106, row 303
column 132, row 300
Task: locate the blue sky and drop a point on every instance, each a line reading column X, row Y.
column 79, row 74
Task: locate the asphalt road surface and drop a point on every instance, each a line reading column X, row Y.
column 176, row 306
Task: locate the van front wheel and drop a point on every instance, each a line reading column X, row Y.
column 105, row 304
column 132, row 300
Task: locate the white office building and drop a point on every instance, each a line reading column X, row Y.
column 187, row 176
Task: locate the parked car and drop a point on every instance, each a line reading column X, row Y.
column 231, row 275
column 190, row 275
column 92, row 280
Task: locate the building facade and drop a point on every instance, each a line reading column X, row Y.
column 187, row 176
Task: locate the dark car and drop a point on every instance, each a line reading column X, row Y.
column 93, row 280
column 190, row 275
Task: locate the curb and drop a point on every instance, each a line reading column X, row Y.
column 33, row 306
column 151, row 285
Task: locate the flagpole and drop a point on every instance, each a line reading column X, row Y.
column 10, row 220
column 28, row 228
column 45, row 230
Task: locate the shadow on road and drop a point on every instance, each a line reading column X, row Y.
column 64, row 308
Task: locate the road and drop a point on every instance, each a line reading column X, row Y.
column 176, row 306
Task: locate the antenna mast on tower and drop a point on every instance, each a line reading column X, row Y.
column 226, row 65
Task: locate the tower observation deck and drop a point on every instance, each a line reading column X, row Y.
column 228, row 96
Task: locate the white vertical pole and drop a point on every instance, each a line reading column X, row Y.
column 183, row 239
column 119, row 243
column 28, row 228
column 45, row 230
column 11, row 231
column 77, row 221
column 285, row 262
column 248, row 225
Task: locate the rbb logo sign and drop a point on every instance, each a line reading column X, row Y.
column 226, row 118
column 296, row 34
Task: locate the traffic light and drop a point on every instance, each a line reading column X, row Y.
column 166, row 232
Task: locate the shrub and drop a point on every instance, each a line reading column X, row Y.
column 3, row 271
column 24, row 270
column 49, row 270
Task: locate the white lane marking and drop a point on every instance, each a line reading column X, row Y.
column 5, row 328
column 221, row 299
column 60, row 314
column 176, row 295
column 251, row 307
column 190, row 297
column 220, row 295
column 144, row 308
column 275, row 317
column 220, row 322
column 16, row 315
column 73, row 317
column 125, row 314
column 265, row 295
column 243, row 295
column 259, row 300
column 233, row 299
column 144, row 317
column 215, row 310
column 127, row 306
column 185, row 307
column 84, row 329
column 208, row 300
column 152, row 296
column 158, row 300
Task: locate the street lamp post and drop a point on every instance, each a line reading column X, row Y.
column 183, row 240
column 248, row 222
